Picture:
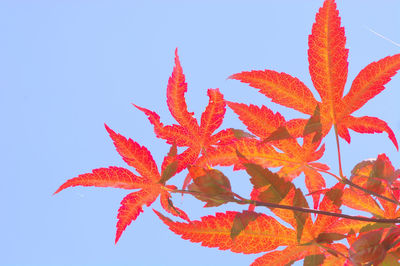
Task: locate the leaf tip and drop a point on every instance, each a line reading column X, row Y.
column 177, row 62
column 109, row 130
column 137, row 106
column 394, row 140
column 163, row 218
column 117, row 236
column 62, row 187
column 233, row 76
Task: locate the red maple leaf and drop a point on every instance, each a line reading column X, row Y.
column 328, row 66
column 149, row 181
column 198, row 138
column 250, row 232
column 380, row 177
column 376, row 247
column 293, row 160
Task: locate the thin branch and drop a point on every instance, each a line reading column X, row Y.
column 239, row 197
column 244, row 201
column 346, row 216
column 383, row 37
column 346, row 181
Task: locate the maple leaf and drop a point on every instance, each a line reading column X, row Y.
column 212, row 186
column 271, row 188
column 249, row 232
column 294, row 159
column 328, row 66
column 167, row 204
column 378, row 176
column 150, row 182
column 264, row 233
column 375, row 247
column 198, row 138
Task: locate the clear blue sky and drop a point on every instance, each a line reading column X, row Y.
column 66, row 67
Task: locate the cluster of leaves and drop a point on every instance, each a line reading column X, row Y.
column 294, row 146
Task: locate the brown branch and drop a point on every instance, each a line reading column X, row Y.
column 346, row 216
column 244, row 201
column 346, row 181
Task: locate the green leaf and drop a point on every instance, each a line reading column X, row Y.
column 314, row 125
column 314, row 260
column 374, row 226
column 279, row 134
column 278, row 187
column 391, row 238
column 275, row 189
column 169, row 172
column 367, row 248
column 335, row 195
column 173, row 151
column 239, row 134
column 329, row 237
column 390, row 260
column 301, row 217
column 290, row 263
column 241, row 221
column 213, row 186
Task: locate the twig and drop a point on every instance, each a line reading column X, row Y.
column 244, row 201
column 383, row 37
column 346, row 181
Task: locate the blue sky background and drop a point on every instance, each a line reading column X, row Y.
column 67, row 67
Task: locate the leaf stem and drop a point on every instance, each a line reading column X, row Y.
column 339, row 155
column 326, row 172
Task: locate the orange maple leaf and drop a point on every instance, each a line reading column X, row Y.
column 198, row 138
column 293, row 160
column 148, row 182
column 378, row 176
column 376, row 247
column 262, row 233
column 328, row 66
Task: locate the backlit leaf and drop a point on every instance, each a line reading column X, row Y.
column 166, row 203
column 135, row 155
column 176, row 89
column 240, row 222
column 260, row 235
column 328, row 66
column 212, row 186
column 117, row 177
column 281, row 88
column 314, row 260
column 131, row 207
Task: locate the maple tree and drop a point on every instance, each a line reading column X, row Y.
column 321, row 235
